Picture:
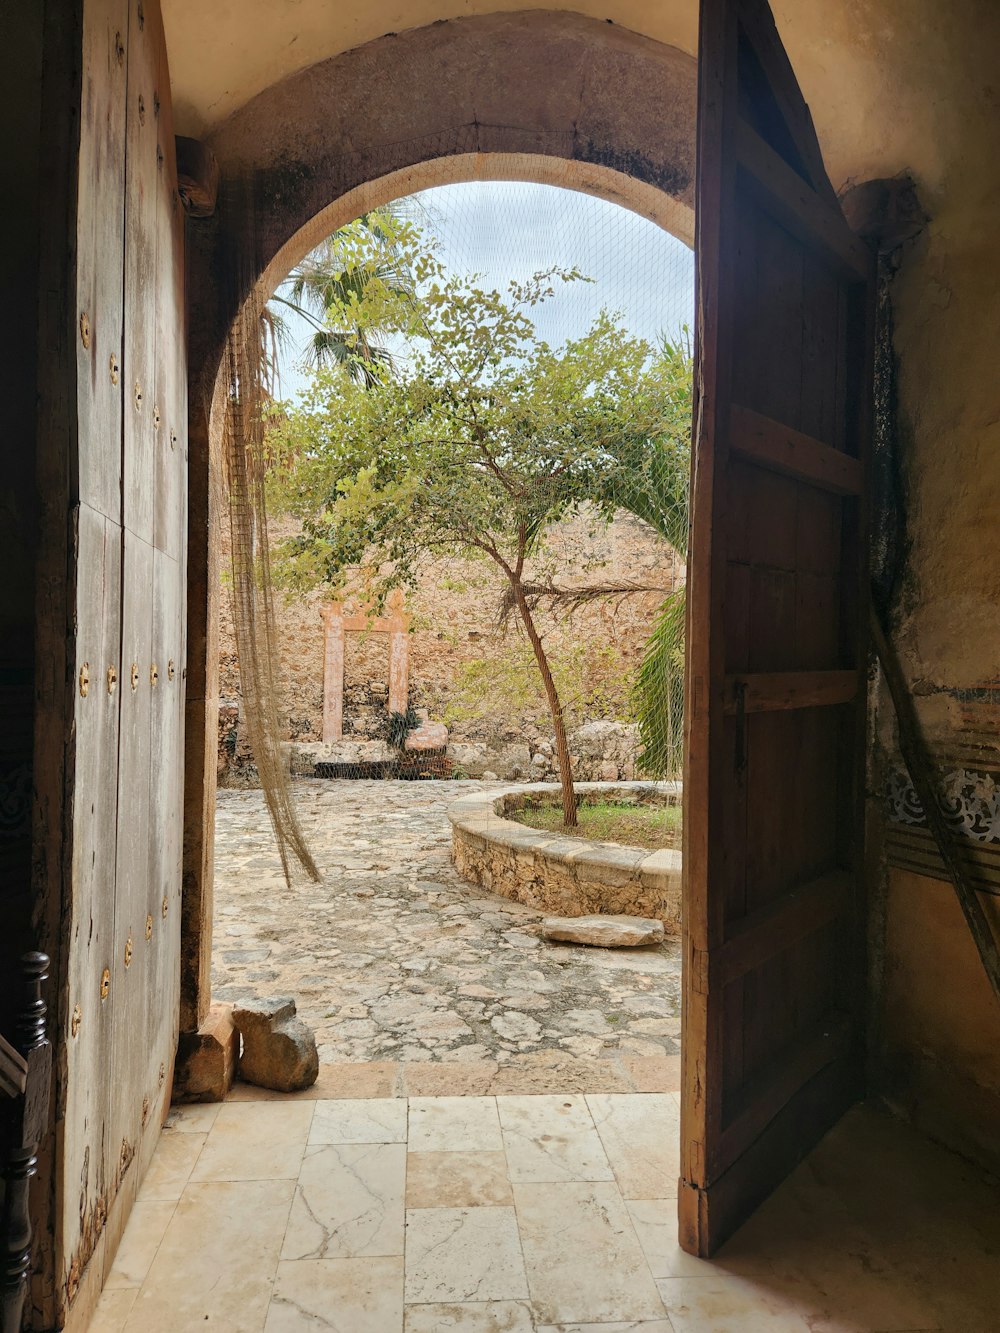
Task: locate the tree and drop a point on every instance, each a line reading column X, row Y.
column 485, row 438
column 649, row 477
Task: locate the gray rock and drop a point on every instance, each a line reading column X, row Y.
column 468, row 757
column 513, row 761
column 517, row 1027
column 608, row 932
column 279, row 1051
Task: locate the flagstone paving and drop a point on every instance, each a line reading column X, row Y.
column 393, row 958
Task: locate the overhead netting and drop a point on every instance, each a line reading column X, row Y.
column 478, row 491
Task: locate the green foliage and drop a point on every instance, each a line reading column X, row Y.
column 653, row 483
column 659, row 692
column 481, row 441
column 588, row 677
column 610, row 821
column 482, row 438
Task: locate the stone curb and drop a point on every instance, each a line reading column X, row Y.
column 566, row 876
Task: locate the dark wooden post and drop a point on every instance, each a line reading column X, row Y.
column 22, row 1125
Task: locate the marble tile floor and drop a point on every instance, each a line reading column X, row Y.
column 535, row 1214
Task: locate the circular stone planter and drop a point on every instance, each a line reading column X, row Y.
column 566, row 876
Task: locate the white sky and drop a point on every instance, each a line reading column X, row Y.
column 505, row 230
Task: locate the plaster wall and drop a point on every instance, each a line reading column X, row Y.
column 938, row 1048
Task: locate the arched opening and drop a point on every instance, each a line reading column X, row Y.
column 485, row 691
column 617, row 121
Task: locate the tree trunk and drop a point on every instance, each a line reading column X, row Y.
column 555, row 707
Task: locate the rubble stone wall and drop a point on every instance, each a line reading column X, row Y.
column 455, row 636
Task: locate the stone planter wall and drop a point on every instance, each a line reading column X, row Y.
column 561, row 875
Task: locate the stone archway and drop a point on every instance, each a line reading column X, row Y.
column 548, row 97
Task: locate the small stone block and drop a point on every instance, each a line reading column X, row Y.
column 279, row 1051
column 608, row 932
column 207, row 1059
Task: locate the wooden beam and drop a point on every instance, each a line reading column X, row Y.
column 781, row 925
column 779, row 448
column 765, row 1095
column 197, row 177
column 778, row 691
column 783, row 193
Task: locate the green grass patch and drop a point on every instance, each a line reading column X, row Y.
column 653, row 826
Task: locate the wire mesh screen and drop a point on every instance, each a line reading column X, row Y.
column 479, row 451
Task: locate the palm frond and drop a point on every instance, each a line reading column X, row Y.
column 659, row 692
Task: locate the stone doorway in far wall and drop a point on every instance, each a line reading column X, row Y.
column 416, row 982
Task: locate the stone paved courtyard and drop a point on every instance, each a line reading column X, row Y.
column 393, row 958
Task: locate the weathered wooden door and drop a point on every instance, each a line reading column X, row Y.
column 120, row 777
column 774, row 959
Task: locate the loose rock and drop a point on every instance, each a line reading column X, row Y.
column 279, row 1051
column 609, row 932
column 428, row 736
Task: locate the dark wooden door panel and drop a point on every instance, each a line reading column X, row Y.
column 776, row 689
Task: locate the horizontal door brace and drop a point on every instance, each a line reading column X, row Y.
column 782, row 192
column 769, row 444
column 780, row 691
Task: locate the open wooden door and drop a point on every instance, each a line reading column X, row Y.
column 773, row 937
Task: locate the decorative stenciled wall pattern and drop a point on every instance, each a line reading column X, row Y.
column 969, row 765
column 971, row 802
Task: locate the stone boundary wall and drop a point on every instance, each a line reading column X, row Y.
column 567, row 876
column 493, row 728
column 599, row 752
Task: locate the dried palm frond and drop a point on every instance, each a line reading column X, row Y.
column 569, row 600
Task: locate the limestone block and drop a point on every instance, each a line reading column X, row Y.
column 513, row 761
column 469, row 757
column 279, row 1051
column 428, row 736
column 206, row 1060
column 303, row 756
column 609, row 932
